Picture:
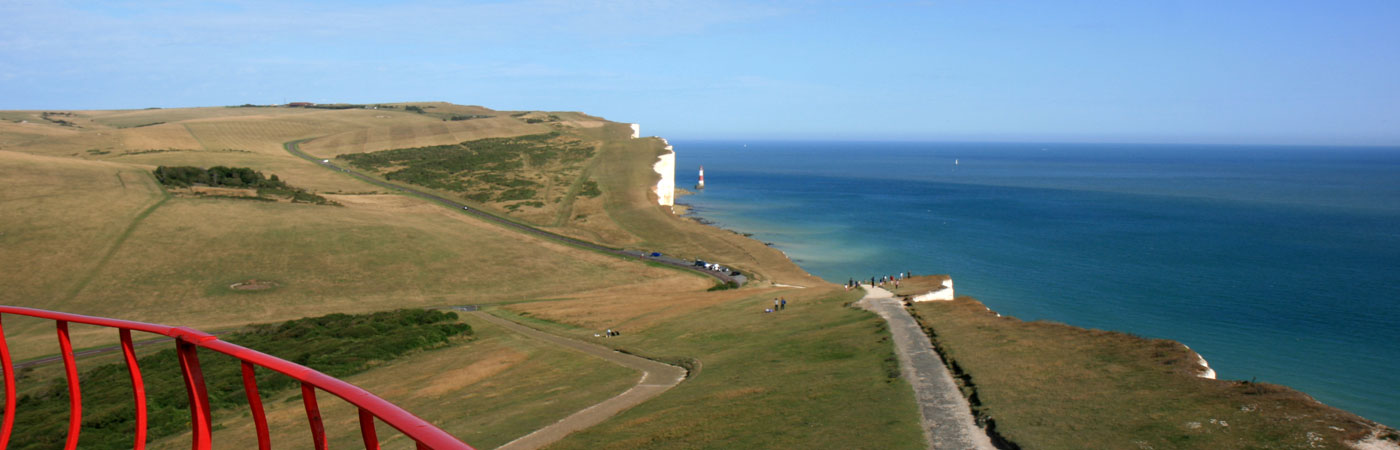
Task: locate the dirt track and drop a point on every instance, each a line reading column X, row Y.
column 656, row 378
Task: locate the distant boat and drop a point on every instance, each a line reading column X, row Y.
column 955, row 161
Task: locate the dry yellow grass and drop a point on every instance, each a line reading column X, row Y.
column 61, row 218
column 260, row 134
column 163, row 136
column 137, row 117
column 295, row 171
column 388, row 251
column 917, row 285
column 634, row 308
column 419, row 132
column 378, row 252
column 497, row 388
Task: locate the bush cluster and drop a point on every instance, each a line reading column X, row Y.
column 235, row 177
column 483, row 170
column 590, row 189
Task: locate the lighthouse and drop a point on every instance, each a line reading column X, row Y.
column 701, row 184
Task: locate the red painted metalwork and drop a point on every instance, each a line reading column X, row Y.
column 75, row 392
column 367, row 430
column 198, row 395
column 188, row 342
column 138, row 388
column 313, row 415
column 9, row 422
column 250, row 387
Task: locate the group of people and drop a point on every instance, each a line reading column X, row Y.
column 610, row 332
column 779, row 304
column 880, row 281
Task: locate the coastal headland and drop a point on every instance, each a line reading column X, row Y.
column 100, row 234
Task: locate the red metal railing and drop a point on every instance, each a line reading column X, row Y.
column 187, row 344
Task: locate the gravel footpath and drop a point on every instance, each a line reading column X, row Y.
column 947, row 418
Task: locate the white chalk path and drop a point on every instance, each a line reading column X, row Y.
column 947, row 418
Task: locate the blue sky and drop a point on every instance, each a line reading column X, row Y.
column 1292, row 72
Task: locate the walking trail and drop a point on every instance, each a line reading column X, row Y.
column 656, row 378
column 947, row 418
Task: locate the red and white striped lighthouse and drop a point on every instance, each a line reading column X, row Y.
column 701, row 184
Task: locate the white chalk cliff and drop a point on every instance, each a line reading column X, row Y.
column 1206, row 371
column 636, row 130
column 666, row 167
column 944, row 293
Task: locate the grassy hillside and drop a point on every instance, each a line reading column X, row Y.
column 627, row 214
column 99, row 236
column 818, row 374
column 488, row 392
column 1049, row 385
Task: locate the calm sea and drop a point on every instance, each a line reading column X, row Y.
column 1280, row 264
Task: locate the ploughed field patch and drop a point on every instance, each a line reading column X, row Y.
column 232, row 182
column 530, row 171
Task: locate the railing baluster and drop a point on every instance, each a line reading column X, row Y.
column 199, row 397
column 313, row 415
column 10, row 400
column 367, row 430
column 250, row 387
column 138, row 388
column 75, row 392
column 187, row 344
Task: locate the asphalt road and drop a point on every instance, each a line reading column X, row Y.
column 294, row 148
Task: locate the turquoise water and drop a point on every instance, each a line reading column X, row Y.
column 1280, row 264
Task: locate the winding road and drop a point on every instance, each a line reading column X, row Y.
column 294, row 148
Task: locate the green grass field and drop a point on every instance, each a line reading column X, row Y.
column 819, row 374
column 1049, row 385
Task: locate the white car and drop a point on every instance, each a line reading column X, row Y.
column 325, row 161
